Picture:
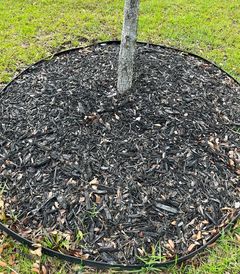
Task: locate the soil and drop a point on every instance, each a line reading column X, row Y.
column 119, row 178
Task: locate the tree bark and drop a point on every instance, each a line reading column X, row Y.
column 127, row 48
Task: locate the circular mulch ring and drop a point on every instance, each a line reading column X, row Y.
column 115, row 180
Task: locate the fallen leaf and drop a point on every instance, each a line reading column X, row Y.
column 231, row 163
column 171, row 244
column 237, row 205
column 199, row 235
column 191, row 247
column 35, row 270
column 94, row 187
column 212, row 245
column 194, row 236
column 98, row 199
column 94, row 181
column 238, row 237
column 82, row 199
column 211, row 145
column 85, row 256
column 3, row 264
column 2, row 211
column 44, row 270
column 173, row 222
column 227, row 209
column 36, row 245
column 117, row 117
column 141, row 251
column 213, row 231
column 36, row 265
column 37, row 252
column 11, row 260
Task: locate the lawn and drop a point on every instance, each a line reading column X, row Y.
column 31, row 30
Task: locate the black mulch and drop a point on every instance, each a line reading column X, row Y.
column 121, row 177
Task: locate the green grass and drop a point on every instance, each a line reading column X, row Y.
column 224, row 257
column 31, row 30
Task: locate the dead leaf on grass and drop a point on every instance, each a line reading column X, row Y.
column 238, row 238
column 44, row 270
column 11, row 260
column 3, row 264
column 35, row 270
column 36, row 267
column 2, row 210
column 37, row 252
column 211, row 245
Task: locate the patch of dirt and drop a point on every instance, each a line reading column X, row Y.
column 155, row 171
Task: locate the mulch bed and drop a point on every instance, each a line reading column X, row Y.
column 121, row 178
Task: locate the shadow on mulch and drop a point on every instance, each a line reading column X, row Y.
column 121, row 180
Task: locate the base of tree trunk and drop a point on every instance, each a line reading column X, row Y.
column 155, row 171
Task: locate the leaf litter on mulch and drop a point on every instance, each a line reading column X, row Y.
column 116, row 179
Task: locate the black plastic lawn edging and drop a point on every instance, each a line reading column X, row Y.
column 102, row 265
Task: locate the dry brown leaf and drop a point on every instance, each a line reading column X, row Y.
column 37, row 245
column 3, row 264
column 2, row 211
column 98, row 199
column 141, row 251
column 36, row 265
column 94, row 181
column 171, row 244
column 231, row 163
column 37, row 252
column 211, row 145
column 212, row 245
column 194, row 236
column 205, row 222
column 199, row 235
column 213, row 231
column 35, row 270
column 238, row 238
column 85, row 256
column 44, row 270
column 94, row 187
column 191, row 247
column 117, row 117
column 11, row 260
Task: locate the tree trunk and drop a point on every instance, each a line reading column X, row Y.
column 127, row 48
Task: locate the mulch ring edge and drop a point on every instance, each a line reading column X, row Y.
column 101, row 265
